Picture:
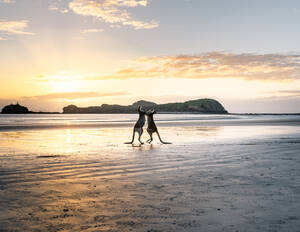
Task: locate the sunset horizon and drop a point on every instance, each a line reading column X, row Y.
column 88, row 52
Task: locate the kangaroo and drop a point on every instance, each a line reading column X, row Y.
column 152, row 127
column 138, row 127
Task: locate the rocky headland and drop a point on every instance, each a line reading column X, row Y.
column 208, row 106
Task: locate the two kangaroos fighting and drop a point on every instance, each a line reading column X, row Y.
column 138, row 127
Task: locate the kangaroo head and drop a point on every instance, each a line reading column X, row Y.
column 151, row 112
column 141, row 111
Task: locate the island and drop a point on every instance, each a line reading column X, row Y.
column 204, row 106
column 15, row 109
column 19, row 109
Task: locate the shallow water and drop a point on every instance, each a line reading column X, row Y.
column 48, row 121
column 89, row 140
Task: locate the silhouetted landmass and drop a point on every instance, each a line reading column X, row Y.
column 15, row 109
column 18, row 109
column 200, row 106
column 143, row 103
column 210, row 106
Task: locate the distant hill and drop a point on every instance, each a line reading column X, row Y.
column 18, row 109
column 15, row 109
column 143, row 103
column 207, row 106
column 200, row 106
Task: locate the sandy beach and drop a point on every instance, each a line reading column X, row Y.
column 229, row 177
column 219, row 80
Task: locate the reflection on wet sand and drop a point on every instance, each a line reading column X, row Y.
column 68, row 141
column 88, row 180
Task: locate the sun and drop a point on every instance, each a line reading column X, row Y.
column 65, row 86
column 64, row 82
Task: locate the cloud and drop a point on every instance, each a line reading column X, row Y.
column 288, row 93
column 6, row 1
column 73, row 95
column 248, row 66
column 54, row 8
column 57, row 5
column 64, row 11
column 94, row 30
column 14, row 27
column 112, row 11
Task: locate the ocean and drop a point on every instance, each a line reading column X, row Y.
column 48, row 121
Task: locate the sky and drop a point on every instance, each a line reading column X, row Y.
column 243, row 53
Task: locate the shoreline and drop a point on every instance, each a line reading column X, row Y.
column 197, row 113
column 181, row 123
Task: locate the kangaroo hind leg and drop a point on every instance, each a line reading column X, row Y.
column 140, row 131
column 151, row 138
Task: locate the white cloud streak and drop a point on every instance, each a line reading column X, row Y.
column 14, row 27
column 93, row 30
column 112, row 11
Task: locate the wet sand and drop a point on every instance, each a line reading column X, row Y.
column 212, row 178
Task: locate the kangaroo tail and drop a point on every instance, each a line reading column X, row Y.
column 132, row 138
column 161, row 139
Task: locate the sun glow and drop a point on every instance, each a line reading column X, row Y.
column 63, row 82
column 65, row 86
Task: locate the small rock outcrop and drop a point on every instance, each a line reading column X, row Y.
column 15, row 109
